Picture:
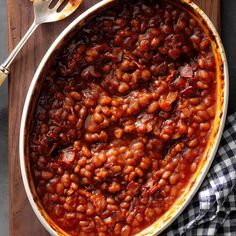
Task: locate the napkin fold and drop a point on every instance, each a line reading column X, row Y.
column 213, row 209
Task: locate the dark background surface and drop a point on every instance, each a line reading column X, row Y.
column 3, row 129
column 228, row 32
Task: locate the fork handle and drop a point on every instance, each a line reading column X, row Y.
column 4, row 68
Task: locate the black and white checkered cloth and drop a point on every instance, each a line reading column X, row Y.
column 213, row 209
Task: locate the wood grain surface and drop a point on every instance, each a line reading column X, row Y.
column 22, row 220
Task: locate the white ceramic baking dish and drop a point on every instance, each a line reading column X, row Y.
column 205, row 163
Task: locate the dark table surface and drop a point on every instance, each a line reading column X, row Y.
column 228, row 32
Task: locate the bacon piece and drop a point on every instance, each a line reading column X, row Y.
column 186, row 71
column 188, row 92
column 67, row 156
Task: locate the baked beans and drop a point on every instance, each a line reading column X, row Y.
column 123, row 119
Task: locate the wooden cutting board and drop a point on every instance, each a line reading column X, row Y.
column 22, row 220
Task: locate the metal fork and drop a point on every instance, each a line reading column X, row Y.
column 45, row 11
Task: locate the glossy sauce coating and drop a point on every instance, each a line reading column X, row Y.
column 123, row 119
